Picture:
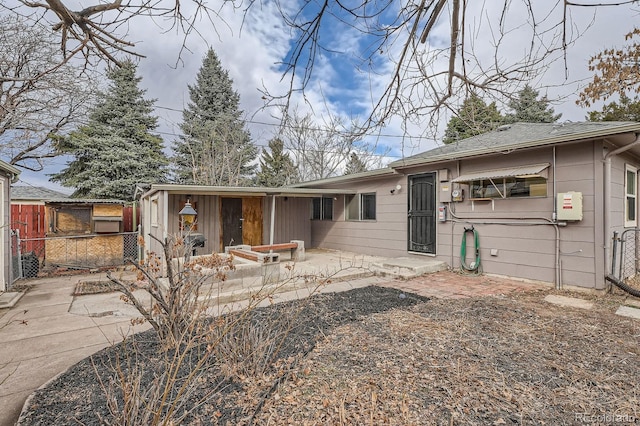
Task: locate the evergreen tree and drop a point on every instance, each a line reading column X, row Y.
column 474, row 118
column 276, row 167
column 355, row 165
column 116, row 149
column 529, row 109
column 626, row 110
column 215, row 148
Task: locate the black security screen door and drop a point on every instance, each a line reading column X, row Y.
column 422, row 213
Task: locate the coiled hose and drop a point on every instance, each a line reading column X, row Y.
column 475, row 265
column 632, row 291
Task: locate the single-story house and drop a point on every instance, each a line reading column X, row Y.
column 8, row 174
column 533, row 201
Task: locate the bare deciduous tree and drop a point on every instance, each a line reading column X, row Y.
column 617, row 71
column 427, row 70
column 40, row 97
column 323, row 150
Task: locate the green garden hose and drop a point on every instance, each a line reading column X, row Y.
column 475, row 265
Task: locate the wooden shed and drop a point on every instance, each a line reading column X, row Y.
column 86, row 233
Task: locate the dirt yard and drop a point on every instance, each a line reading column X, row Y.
column 377, row 356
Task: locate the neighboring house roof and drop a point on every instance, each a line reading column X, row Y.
column 34, row 193
column 517, row 136
column 9, row 169
column 350, row 177
column 83, row 201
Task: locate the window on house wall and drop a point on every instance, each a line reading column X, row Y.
column 361, row 206
column 631, row 195
column 322, row 208
column 154, row 211
column 509, row 187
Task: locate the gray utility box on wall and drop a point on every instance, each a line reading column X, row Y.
column 569, row 205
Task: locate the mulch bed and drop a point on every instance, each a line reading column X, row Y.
column 379, row 356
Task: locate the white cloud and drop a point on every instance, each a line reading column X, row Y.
column 250, row 47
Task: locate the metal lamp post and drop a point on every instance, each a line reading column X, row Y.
column 187, row 217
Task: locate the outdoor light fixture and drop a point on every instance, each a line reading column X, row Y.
column 187, row 216
column 396, row 189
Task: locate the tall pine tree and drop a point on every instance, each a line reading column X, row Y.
column 529, row 109
column 116, row 149
column 355, row 165
column 625, row 110
column 215, row 149
column 276, row 167
column 474, row 118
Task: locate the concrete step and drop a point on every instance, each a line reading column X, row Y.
column 237, row 290
column 8, row 299
column 408, row 267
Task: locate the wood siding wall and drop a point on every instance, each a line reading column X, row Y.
column 292, row 220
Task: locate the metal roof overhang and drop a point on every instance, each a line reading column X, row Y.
column 535, row 170
column 229, row 191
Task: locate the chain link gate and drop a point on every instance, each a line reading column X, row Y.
column 625, row 262
column 16, row 258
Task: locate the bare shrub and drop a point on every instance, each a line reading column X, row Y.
column 196, row 356
column 175, row 309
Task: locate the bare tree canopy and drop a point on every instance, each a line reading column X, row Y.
column 617, row 72
column 424, row 73
column 40, row 97
column 323, row 150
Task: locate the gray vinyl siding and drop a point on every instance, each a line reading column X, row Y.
column 528, row 251
column 385, row 236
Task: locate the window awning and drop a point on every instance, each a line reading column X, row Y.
column 535, row 170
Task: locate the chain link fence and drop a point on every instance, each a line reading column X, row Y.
column 626, row 255
column 35, row 255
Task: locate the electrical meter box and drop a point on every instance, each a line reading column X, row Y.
column 569, row 206
column 457, row 194
column 445, row 192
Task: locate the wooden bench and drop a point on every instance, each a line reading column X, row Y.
column 255, row 256
column 296, row 247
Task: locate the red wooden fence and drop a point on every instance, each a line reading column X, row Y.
column 127, row 218
column 30, row 221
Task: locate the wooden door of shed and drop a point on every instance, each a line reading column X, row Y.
column 241, row 221
column 252, row 221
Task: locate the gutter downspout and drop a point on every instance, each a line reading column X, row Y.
column 607, row 198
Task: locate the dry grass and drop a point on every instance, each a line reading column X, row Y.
column 515, row 360
column 375, row 356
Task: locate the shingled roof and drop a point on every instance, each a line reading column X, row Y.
column 519, row 135
column 35, row 193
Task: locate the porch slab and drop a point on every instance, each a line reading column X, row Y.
column 408, row 267
column 628, row 311
column 571, row 302
column 8, row 299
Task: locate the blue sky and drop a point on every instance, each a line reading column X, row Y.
column 252, row 48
